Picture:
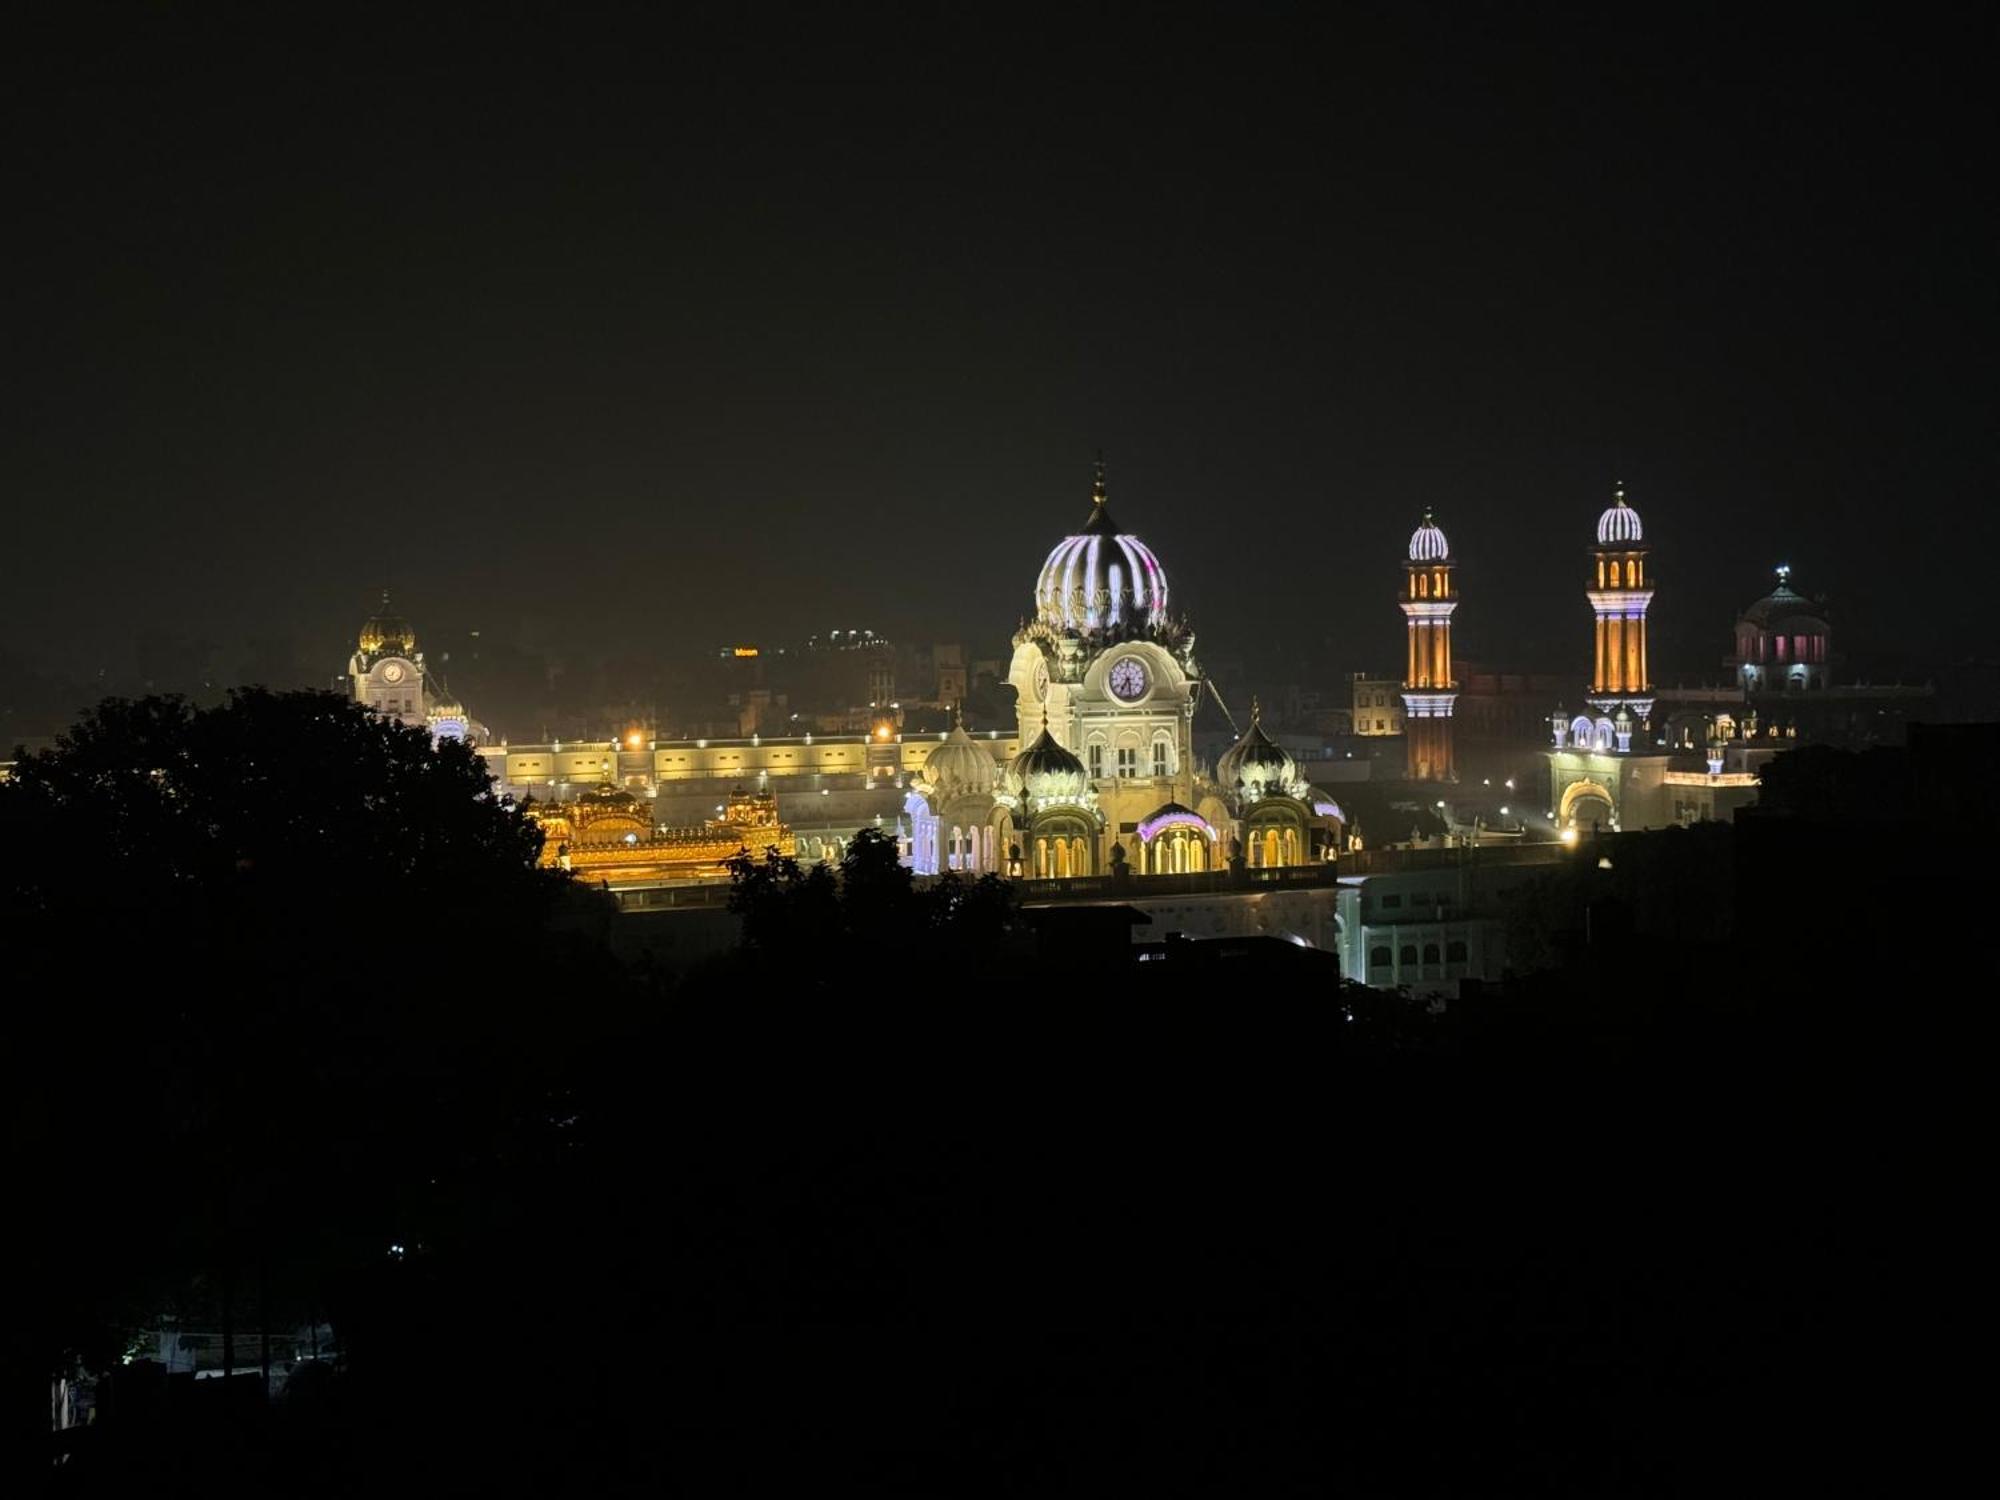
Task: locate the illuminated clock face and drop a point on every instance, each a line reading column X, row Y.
column 393, row 672
column 1128, row 679
column 1041, row 682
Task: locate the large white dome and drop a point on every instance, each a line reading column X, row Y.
column 1619, row 525
column 959, row 764
column 1101, row 577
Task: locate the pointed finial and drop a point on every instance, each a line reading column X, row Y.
column 958, row 714
column 1097, row 481
column 1618, row 491
column 1784, row 574
column 1256, row 709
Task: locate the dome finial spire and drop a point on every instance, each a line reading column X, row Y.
column 1256, row 709
column 1097, row 479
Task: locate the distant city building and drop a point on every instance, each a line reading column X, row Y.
column 1429, row 688
column 1782, row 642
column 1378, row 705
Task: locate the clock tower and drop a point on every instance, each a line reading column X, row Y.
column 387, row 669
column 1110, row 674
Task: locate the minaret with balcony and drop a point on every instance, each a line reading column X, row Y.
column 1429, row 597
column 1621, row 589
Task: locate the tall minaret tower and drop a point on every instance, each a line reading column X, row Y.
column 1429, row 688
column 1619, row 593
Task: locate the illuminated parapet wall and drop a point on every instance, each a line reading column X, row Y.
column 1430, row 688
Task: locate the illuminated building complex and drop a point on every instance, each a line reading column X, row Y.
column 1106, row 686
column 1429, row 686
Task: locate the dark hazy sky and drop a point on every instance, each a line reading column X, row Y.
column 657, row 323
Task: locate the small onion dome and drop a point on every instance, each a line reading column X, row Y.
column 1101, row 576
column 1047, row 771
column 385, row 630
column 1619, row 525
column 1323, row 805
column 1427, row 543
column 959, row 764
column 1254, row 763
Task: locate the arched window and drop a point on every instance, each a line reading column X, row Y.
column 1079, row 864
column 1430, row 953
column 1454, row 951
column 1423, row 585
column 1161, row 755
column 1378, row 958
column 1409, row 954
column 1041, row 859
column 1271, row 855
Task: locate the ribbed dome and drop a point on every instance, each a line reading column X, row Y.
column 959, row 764
column 1254, row 764
column 1619, row 525
column 1048, row 772
column 1101, row 577
column 385, row 630
column 1427, row 543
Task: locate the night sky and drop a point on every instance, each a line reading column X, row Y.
column 658, row 328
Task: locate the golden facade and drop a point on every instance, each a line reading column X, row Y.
column 608, row 835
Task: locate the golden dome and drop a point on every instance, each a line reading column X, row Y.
column 386, row 630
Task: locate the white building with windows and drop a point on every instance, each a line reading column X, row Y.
column 1107, row 685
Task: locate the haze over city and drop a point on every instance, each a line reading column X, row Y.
column 634, row 345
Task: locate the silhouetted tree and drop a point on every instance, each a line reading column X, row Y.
column 279, row 971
